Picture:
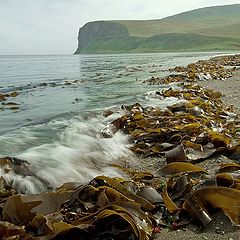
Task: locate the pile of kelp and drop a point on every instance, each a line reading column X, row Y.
column 181, row 191
column 198, row 121
column 229, row 60
column 136, row 207
column 213, row 68
column 166, row 80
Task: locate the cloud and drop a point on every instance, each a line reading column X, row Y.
column 43, row 26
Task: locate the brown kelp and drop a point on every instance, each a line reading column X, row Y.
column 191, row 130
column 129, row 208
column 214, row 68
column 6, row 104
column 181, row 191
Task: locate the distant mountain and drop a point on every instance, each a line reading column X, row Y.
column 205, row 29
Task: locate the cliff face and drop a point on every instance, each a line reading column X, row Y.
column 100, row 30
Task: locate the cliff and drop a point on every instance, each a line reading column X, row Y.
column 93, row 32
column 206, row 29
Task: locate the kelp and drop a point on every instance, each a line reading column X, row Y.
column 201, row 202
column 141, row 203
column 192, row 130
column 190, row 188
column 166, row 80
column 179, row 167
column 204, row 70
column 124, row 208
column 103, row 200
column 229, row 167
column 6, row 104
column 5, row 189
column 194, row 136
column 170, row 205
column 230, row 60
column 11, row 231
column 228, row 180
column 22, row 208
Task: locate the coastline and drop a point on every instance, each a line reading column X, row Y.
column 220, row 227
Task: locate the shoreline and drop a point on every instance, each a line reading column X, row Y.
column 219, row 228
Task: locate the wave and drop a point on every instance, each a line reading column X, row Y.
column 81, row 154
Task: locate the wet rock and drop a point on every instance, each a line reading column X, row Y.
column 150, row 194
column 108, row 131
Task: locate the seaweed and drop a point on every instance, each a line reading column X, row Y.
column 137, row 206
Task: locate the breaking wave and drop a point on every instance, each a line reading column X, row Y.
column 80, row 154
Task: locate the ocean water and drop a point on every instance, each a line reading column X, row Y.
column 57, row 129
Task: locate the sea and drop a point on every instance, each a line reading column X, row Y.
column 57, row 130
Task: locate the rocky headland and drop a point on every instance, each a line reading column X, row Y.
column 205, row 29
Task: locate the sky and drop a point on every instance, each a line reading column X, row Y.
column 51, row 26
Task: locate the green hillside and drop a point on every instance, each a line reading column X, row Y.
column 211, row 28
column 188, row 41
column 221, row 31
column 204, row 18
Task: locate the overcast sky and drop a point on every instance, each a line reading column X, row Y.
column 51, row 26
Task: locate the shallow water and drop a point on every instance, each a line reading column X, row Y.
column 57, row 129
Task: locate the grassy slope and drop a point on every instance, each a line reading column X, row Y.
column 222, row 31
column 205, row 18
column 188, row 41
column 162, row 42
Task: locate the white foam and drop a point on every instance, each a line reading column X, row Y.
column 80, row 154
